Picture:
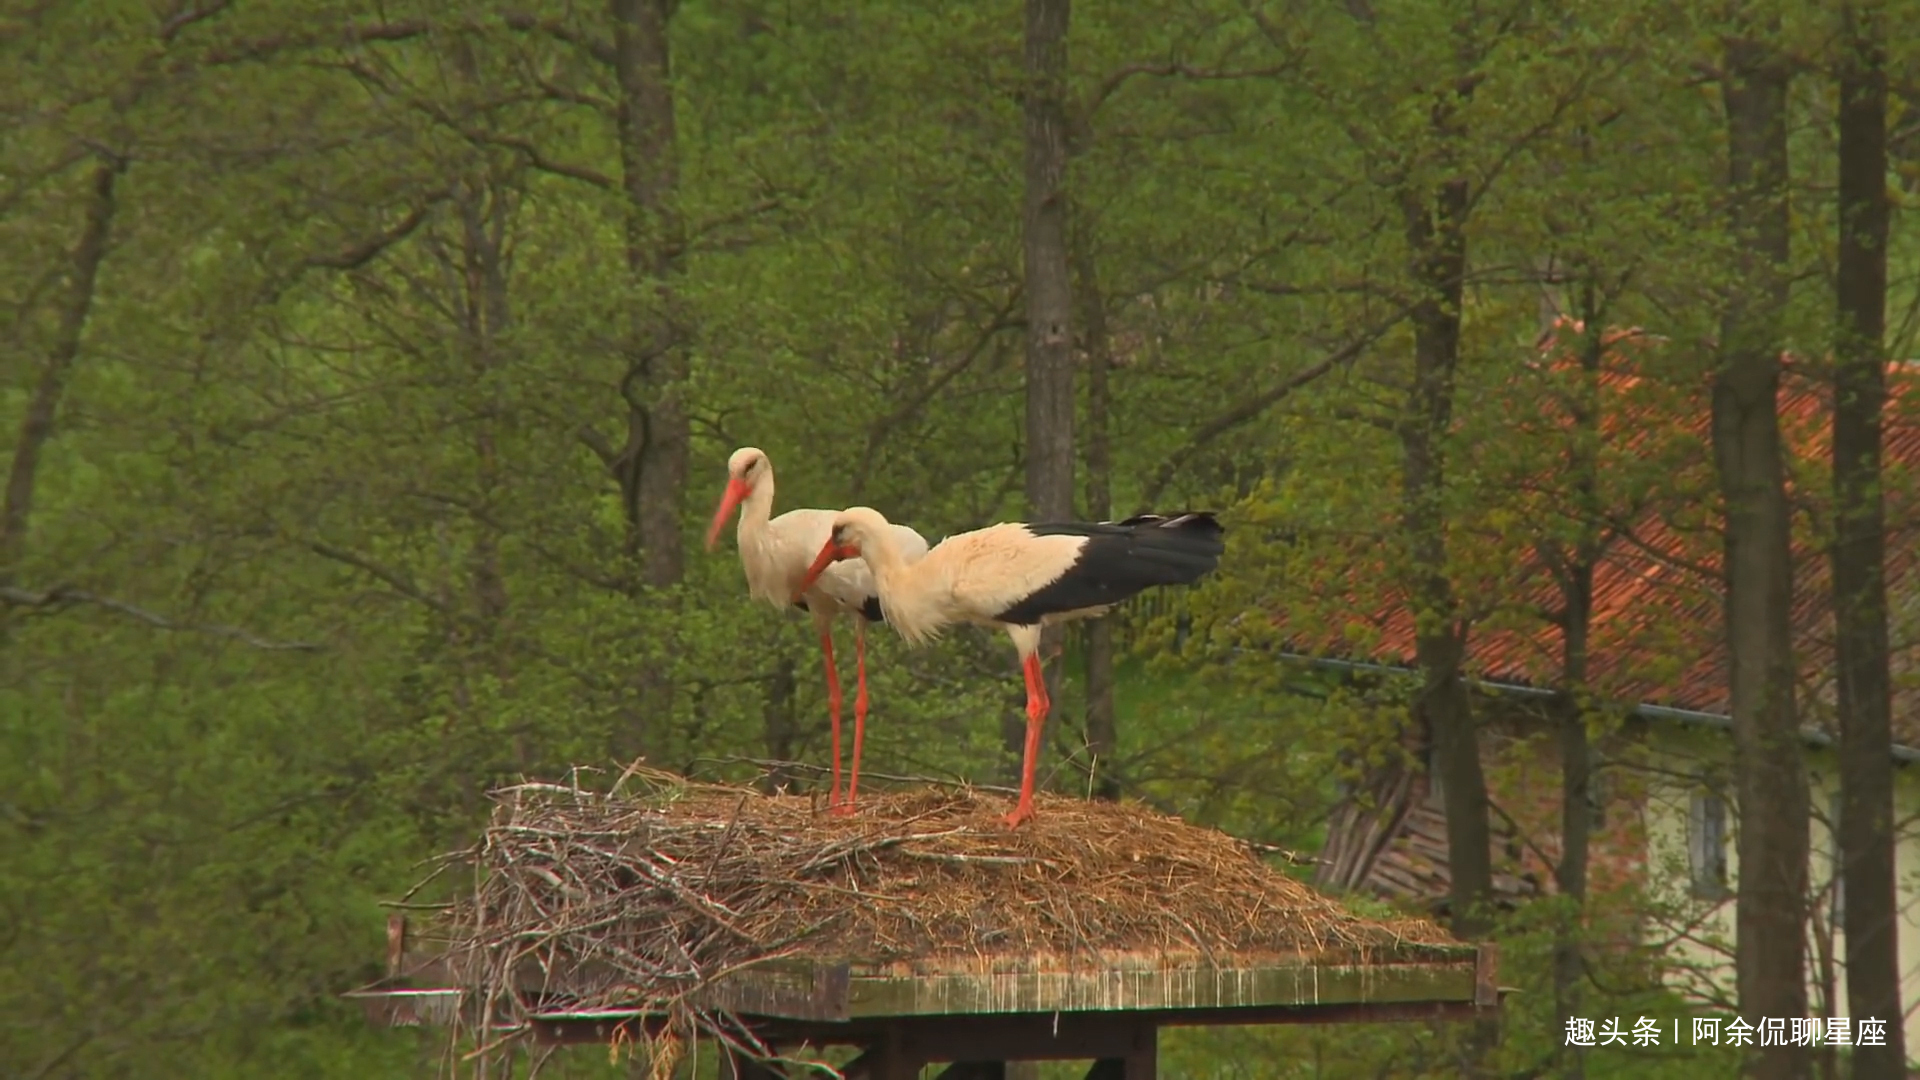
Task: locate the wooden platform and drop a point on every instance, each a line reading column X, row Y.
column 988, row 1010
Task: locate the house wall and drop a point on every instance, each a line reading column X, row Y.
column 1521, row 762
column 1700, row 930
column 1650, row 771
column 1523, row 779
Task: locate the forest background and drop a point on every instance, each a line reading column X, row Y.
column 368, row 371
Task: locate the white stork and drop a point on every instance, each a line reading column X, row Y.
column 775, row 552
column 1020, row 577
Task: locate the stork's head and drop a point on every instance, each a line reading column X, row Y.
column 854, row 529
column 747, row 469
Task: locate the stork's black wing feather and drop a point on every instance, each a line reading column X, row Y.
column 1121, row 559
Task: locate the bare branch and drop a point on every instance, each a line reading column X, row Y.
column 707, row 228
column 354, row 34
column 391, row 578
column 353, row 258
column 540, row 161
column 1624, row 530
column 917, row 400
column 37, row 426
column 189, row 15
column 1286, row 289
column 559, row 31
column 62, row 596
column 29, row 179
column 1250, row 408
column 556, row 92
column 1168, row 70
column 479, row 514
column 398, row 583
column 597, row 443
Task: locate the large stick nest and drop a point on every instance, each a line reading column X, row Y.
column 640, row 897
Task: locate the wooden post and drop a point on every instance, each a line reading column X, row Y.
column 1486, row 976
column 1143, row 1057
column 396, row 943
column 886, row 1058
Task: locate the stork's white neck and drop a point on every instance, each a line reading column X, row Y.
column 757, row 508
column 900, row 587
column 882, row 554
column 757, row 557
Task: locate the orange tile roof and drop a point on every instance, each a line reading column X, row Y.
column 1656, row 636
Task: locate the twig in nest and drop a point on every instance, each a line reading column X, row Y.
column 644, row 897
column 988, row 860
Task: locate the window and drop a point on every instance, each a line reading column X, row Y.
column 1707, row 845
column 1596, row 798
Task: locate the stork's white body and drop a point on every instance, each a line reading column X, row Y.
column 969, row 578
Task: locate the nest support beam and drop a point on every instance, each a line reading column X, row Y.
column 1122, row 1047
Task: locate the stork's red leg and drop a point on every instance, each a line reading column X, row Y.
column 1037, row 706
column 833, row 704
column 859, row 711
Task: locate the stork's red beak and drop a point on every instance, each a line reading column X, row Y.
column 830, row 553
column 737, row 490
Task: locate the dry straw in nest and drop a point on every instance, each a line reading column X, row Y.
column 638, row 898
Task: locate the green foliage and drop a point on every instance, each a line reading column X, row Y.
column 320, row 547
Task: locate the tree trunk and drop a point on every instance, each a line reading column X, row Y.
column 652, row 466
column 1865, row 828
column 1103, row 739
column 44, row 406
column 1439, row 248
column 1770, row 775
column 1576, row 624
column 486, row 312
column 1049, row 295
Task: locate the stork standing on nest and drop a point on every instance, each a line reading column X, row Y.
column 775, row 553
column 1021, row 577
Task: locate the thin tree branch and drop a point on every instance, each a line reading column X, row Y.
column 525, row 22
column 399, row 584
column 189, row 15
column 480, row 515
column 30, row 179
column 711, row 226
column 353, row 34
column 914, row 402
column 357, row 256
column 540, row 161
column 597, row 443
column 62, row 596
column 1171, row 69
column 1250, row 408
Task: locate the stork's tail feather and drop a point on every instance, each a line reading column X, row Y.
column 1175, row 549
column 1121, row 559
